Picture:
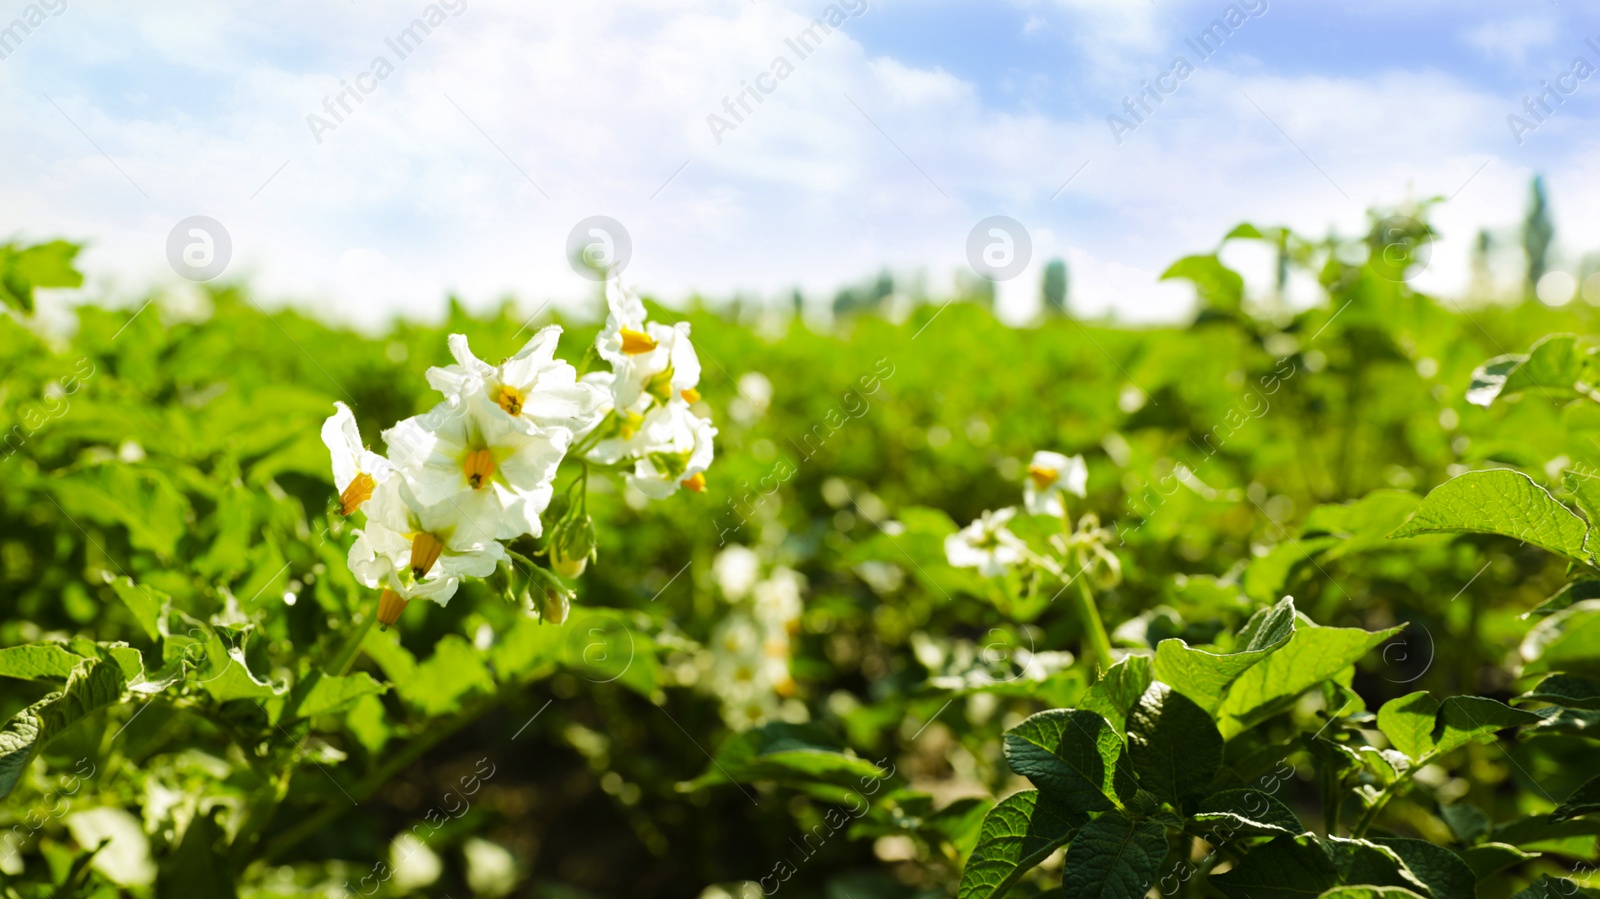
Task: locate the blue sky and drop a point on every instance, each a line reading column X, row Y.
column 466, row 169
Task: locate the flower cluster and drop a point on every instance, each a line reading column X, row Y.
column 990, row 546
column 479, row 469
column 750, row 648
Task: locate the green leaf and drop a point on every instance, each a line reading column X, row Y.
column 1118, row 688
column 330, row 693
column 1173, row 747
column 1264, row 580
column 1408, row 723
column 1566, row 690
column 1311, row 656
column 1575, row 722
column 1533, row 829
column 1476, row 719
column 1114, row 857
column 791, row 754
column 199, row 865
column 1492, row 858
column 43, row 265
column 1074, row 755
column 92, row 685
column 38, row 661
column 1575, row 592
column 1421, row 727
column 1547, row 887
column 1370, row 893
column 1568, row 640
column 1443, row 872
column 1018, row 833
column 530, row 646
column 1500, row 501
column 226, row 675
column 453, row 673
column 1365, row 862
column 1556, row 366
column 1466, row 821
column 1245, row 813
column 1489, row 379
column 146, row 604
column 1218, row 287
column 1205, row 676
column 1583, row 801
column 1286, row 868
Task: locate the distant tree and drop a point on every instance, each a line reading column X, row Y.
column 1055, row 287
column 883, row 288
column 1281, row 279
column 1482, row 246
column 1537, row 234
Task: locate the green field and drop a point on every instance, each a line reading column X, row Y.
column 1323, row 622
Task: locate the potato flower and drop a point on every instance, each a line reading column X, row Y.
column 357, row 471
column 422, row 552
column 476, row 458
column 647, row 358
column 533, row 386
column 1049, row 476
column 986, row 544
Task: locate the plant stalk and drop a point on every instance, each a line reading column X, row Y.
column 1093, row 627
column 1370, row 816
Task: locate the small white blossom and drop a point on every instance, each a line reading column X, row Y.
column 736, row 570
column 357, row 471
column 481, row 461
column 1049, row 476
column 986, row 544
column 675, row 447
column 422, row 552
column 533, row 386
column 647, row 358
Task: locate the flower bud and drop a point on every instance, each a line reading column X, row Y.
column 554, row 605
column 571, row 545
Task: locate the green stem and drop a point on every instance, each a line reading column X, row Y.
column 1095, row 628
column 370, row 784
column 341, row 663
column 1370, row 816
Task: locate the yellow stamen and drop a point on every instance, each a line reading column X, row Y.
column 696, row 482
column 636, row 342
column 479, row 467
column 390, row 605
column 510, row 399
column 425, row 550
column 629, row 425
column 690, row 395
column 359, row 491
column 1042, row 477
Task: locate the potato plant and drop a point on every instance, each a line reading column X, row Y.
column 1279, row 602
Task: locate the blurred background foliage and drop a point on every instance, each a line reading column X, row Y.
column 178, row 455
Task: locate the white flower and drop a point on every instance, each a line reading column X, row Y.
column 490, row 466
column 647, row 358
column 986, row 545
column 673, row 449
column 736, row 570
column 1049, row 476
column 421, row 552
column 778, row 601
column 532, row 386
column 357, row 471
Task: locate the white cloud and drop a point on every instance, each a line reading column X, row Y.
column 854, row 160
column 1509, row 40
